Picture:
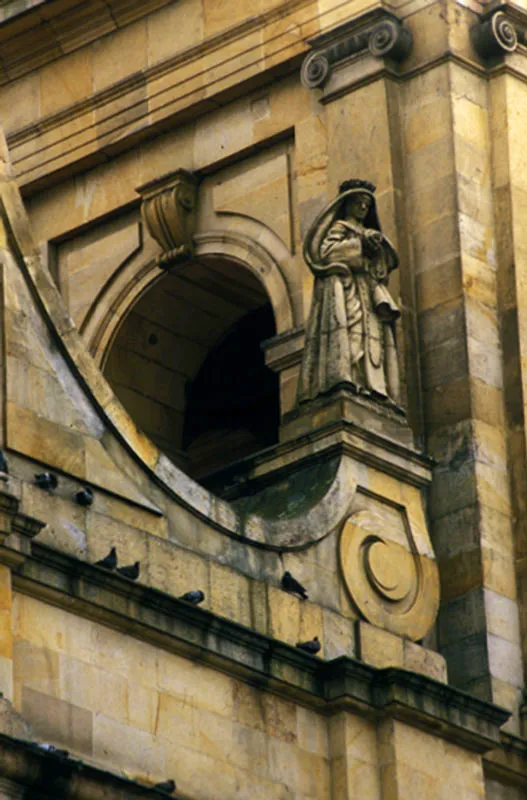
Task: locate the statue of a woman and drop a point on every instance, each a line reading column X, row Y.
column 350, row 335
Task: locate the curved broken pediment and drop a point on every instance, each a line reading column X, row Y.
column 80, row 437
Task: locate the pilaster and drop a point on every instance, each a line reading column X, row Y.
column 16, row 532
column 420, row 126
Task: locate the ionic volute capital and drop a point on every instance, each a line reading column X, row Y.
column 494, row 35
column 383, row 35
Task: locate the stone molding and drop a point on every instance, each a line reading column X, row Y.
column 94, row 115
column 328, row 686
column 28, row 770
column 259, row 250
column 508, row 763
column 11, row 790
column 380, row 33
column 16, row 529
column 48, row 30
column 284, row 350
column 37, row 164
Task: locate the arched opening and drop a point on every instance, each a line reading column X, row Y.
column 188, row 366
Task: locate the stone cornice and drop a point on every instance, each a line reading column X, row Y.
column 14, row 8
column 46, row 31
column 327, row 686
column 508, row 763
column 94, row 136
column 178, row 99
column 345, row 438
column 16, row 529
column 35, row 770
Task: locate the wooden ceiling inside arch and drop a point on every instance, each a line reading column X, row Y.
column 164, row 342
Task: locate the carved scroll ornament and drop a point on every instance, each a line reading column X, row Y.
column 169, row 212
column 390, row 572
column 495, row 35
column 387, row 38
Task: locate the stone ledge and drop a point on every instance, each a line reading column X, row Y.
column 509, row 762
column 9, row 9
column 197, row 634
column 35, row 33
column 36, row 770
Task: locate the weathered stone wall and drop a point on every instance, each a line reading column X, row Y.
column 130, row 706
column 115, row 98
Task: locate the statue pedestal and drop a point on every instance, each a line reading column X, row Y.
column 345, row 476
column 347, row 406
column 385, row 555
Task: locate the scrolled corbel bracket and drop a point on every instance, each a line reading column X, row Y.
column 494, row 35
column 384, row 37
column 168, row 210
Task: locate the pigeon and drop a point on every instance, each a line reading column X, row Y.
column 290, row 584
column 195, row 597
column 50, row 748
column 84, row 497
column 109, row 561
column 131, row 572
column 166, row 786
column 46, row 480
column 311, row 647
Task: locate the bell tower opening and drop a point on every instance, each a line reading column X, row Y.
column 188, row 366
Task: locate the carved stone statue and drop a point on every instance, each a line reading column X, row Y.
column 350, row 337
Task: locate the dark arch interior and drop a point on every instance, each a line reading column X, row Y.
column 232, row 402
column 188, row 366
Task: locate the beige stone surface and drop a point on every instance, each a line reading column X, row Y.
column 60, row 87
column 379, row 648
column 214, row 86
column 173, row 29
column 129, row 705
column 415, row 762
column 354, row 757
column 426, row 662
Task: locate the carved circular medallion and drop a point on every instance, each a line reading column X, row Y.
column 391, row 585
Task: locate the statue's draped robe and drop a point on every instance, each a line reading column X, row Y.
column 350, row 333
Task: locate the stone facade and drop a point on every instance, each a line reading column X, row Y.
column 161, row 165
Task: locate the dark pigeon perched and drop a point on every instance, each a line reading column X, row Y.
column 290, row 584
column 312, row 647
column 195, row 597
column 46, row 480
column 84, row 497
column 109, row 561
column 131, row 571
column 166, row 786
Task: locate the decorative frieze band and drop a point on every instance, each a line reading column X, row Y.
column 385, row 36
